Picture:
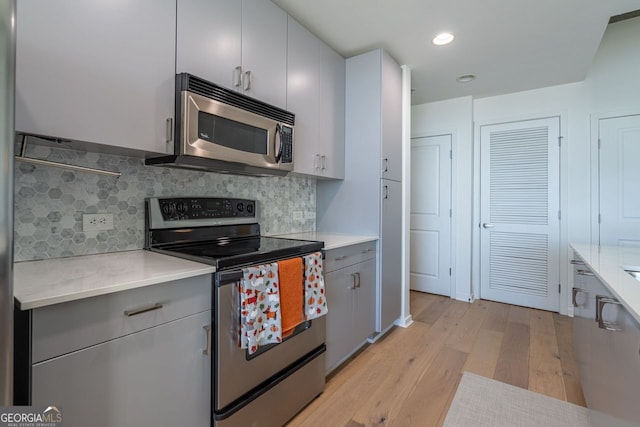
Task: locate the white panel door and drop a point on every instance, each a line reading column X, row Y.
column 619, row 181
column 430, row 214
column 519, row 213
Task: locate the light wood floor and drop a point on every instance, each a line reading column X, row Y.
column 409, row 377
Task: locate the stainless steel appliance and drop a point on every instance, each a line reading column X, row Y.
column 7, row 93
column 268, row 387
column 222, row 130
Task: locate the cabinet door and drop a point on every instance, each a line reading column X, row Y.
column 391, row 119
column 209, row 40
column 157, row 377
column 364, row 308
column 97, row 71
column 339, row 287
column 264, row 51
column 303, row 92
column 331, row 111
column 390, row 293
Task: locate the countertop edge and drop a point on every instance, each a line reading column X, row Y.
column 331, row 240
column 47, row 301
column 611, row 284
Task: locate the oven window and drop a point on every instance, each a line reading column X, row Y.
column 232, row 134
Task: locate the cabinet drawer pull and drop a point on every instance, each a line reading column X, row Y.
column 207, row 331
column 247, row 83
column 366, row 251
column 135, row 312
column 575, row 293
column 355, row 281
column 169, row 130
column 576, row 262
column 601, row 301
column 580, row 272
column 237, row 76
column 342, row 258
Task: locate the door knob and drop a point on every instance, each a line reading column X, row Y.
column 486, row 225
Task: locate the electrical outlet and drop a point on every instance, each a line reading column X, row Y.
column 97, row 222
column 297, row 215
column 310, row 215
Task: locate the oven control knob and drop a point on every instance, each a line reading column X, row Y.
column 240, row 207
column 250, row 208
column 168, row 209
column 181, row 207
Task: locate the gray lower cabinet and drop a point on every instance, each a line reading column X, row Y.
column 133, row 358
column 350, row 280
column 606, row 346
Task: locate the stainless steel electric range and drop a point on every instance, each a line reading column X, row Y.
column 268, row 387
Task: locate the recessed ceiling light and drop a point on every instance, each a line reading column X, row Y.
column 443, row 38
column 466, row 78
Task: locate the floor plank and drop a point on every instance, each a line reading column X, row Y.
column 545, row 370
column 563, row 326
column 513, row 362
column 434, row 391
column 484, row 355
column 409, row 376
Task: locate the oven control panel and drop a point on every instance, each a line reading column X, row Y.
column 206, row 208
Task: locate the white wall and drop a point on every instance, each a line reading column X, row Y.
column 612, row 87
column 454, row 117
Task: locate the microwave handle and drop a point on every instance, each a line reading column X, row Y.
column 279, row 142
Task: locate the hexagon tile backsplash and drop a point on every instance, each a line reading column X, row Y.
column 50, row 202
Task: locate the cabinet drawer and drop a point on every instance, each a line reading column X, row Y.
column 62, row 328
column 336, row 259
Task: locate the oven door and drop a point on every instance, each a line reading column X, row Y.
column 237, row 373
column 219, row 131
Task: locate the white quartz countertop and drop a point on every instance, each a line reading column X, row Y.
column 331, row 240
column 608, row 264
column 52, row 281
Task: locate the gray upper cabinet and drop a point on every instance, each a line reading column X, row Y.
column 315, row 94
column 391, row 118
column 241, row 45
column 96, row 71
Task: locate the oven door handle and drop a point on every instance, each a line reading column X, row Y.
column 228, row 277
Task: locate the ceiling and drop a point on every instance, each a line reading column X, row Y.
column 510, row 45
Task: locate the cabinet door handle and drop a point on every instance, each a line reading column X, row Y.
column 358, row 276
column 324, row 162
column 169, row 130
column 576, row 262
column 355, row 281
column 136, row 311
column 386, row 191
column 601, row 301
column 386, row 166
column 207, row 331
column 247, row 83
column 316, row 162
column 584, row 273
column 574, row 294
column 237, row 76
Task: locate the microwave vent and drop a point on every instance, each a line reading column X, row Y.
column 202, row 87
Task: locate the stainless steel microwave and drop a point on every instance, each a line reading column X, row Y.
column 222, row 130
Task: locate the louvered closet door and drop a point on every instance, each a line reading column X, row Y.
column 520, row 228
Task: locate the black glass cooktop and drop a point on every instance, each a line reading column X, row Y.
column 227, row 253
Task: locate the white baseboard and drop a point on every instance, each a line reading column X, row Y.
column 404, row 323
column 464, row 297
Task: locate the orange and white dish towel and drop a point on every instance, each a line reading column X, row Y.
column 291, row 294
column 315, row 300
column 260, row 320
